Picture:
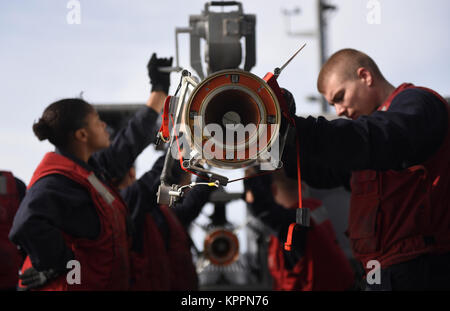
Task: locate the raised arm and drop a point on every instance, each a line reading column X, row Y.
column 405, row 135
column 139, row 133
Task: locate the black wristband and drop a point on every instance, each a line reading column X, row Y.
column 160, row 87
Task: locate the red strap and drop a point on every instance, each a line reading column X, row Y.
column 299, row 176
column 164, row 133
column 288, row 244
column 181, row 158
column 271, row 80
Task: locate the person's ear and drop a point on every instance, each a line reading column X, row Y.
column 81, row 135
column 365, row 76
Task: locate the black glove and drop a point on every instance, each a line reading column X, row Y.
column 32, row 278
column 289, row 157
column 199, row 194
column 290, row 101
column 192, row 203
column 260, row 186
column 160, row 81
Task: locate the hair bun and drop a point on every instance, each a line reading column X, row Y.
column 42, row 130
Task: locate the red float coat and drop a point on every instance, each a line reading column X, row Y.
column 10, row 257
column 159, row 267
column 104, row 261
column 396, row 216
column 323, row 267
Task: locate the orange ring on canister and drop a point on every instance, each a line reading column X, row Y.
column 240, row 95
column 221, row 247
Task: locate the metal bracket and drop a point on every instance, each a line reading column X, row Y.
column 303, row 217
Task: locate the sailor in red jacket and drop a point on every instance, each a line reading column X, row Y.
column 396, row 148
column 12, row 191
column 71, row 211
column 161, row 251
column 316, row 263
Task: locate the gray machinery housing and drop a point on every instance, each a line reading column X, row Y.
column 222, row 32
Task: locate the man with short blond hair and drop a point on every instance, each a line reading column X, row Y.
column 396, row 148
column 347, row 62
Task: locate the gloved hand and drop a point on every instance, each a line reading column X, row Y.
column 260, row 187
column 32, row 278
column 192, row 202
column 160, row 81
column 289, row 157
column 290, row 102
column 200, row 193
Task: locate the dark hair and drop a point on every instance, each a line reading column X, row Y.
column 60, row 119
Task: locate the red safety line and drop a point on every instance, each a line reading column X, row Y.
column 164, row 129
column 288, row 244
column 271, row 80
column 180, row 157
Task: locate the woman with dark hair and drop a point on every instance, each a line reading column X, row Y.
column 72, row 216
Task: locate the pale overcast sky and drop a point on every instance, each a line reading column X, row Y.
column 43, row 58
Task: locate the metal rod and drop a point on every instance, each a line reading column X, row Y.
column 322, row 46
column 292, row 57
column 278, row 70
column 177, row 31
